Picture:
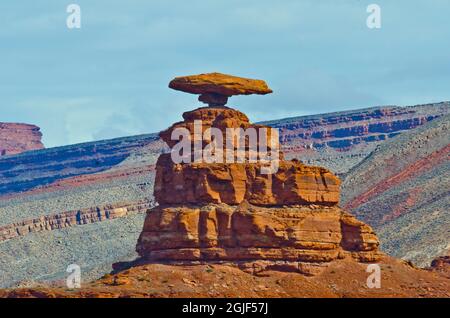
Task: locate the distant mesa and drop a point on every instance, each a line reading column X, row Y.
column 17, row 138
column 215, row 88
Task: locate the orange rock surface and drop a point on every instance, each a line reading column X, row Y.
column 215, row 88
column 232, row 183
column 293, row 183
column 296, row 237
column 342, row 278
column 220, row 117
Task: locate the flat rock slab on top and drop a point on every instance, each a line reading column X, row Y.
column 215, row 88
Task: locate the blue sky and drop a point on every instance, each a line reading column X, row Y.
column 109, row 78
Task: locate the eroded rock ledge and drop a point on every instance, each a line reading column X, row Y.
column 287, row 236
column 72, row 218
column 293, row 183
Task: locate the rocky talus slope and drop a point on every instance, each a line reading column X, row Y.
column 402, row 190
column 16, row 138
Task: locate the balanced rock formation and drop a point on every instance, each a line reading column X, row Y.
column 232, row 213
column 17, row 138
column 215, row 88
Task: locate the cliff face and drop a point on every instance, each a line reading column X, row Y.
column 295, row 238
column 18, row 138
column 340, row 140
column 344, row 130
column 232, row 183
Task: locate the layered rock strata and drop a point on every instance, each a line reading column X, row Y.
column 16, row 138
column 402, row 190
column 341, row 140
column 293, row 183
column 301, row 238
column 232, row 183
column 71, row 218
column 347, row 130
column 231, row 213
